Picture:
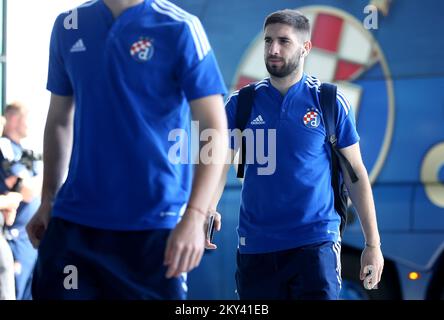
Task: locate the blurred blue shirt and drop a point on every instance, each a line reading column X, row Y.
column 131, row 78
column 292, row 206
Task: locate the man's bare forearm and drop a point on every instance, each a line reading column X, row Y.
column 207, row 176
column 205, row 180
column 219, row 188
column 57, row 145
column 361, row 194
column 362, row 198
column 221, row 185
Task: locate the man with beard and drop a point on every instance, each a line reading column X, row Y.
column 289, row 239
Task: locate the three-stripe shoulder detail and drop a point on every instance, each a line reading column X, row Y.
column 197, row 31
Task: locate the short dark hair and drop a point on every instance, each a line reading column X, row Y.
column 292, row 18
column 14, row 108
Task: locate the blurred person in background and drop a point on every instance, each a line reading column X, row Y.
column 20, row 173
column 9, row 203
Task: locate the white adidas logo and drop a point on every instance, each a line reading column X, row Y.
column 258, row 120
column 78, row 46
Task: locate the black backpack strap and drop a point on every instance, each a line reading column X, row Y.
column 244, row 106
column 329, row 110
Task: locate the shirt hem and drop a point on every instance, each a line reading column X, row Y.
column 281, row 245
column 139, row 226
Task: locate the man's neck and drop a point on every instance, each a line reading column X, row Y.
column 13, row 137
column 283, row 84
column 118, row 6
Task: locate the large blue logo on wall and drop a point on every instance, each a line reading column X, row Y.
column 347, row 54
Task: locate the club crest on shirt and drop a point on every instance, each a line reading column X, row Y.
column 311, row 118
column 142, row 50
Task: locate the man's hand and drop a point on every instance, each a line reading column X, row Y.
column 10, row 181
column 8, row 206
column 9, row 216
column 36, row 227
column 217, row 226
column 372, row 264
column 185, row 245
column 11, row 200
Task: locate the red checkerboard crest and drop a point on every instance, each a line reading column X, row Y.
column 142, row 50
column 311, row 119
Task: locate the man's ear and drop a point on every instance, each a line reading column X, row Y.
column 306, row 48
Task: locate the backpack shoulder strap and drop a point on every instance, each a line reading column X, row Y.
column 244, row 106
column 243, row 112
column 329, row 110
column 328, row 106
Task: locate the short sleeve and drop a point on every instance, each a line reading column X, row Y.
column 58, row 80
column 230, row 110
column 346, row 132
column 198, row 72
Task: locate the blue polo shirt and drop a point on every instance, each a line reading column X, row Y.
column 131, row 78
column 294, row 205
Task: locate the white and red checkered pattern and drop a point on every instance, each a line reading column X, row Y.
column 343, row 48
column 310, row 116
column 140, row 46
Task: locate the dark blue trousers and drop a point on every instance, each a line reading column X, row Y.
column 79, row 262
column 308, row 273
